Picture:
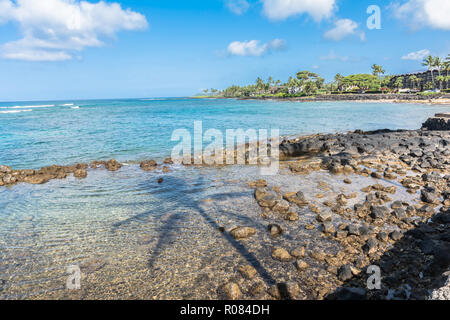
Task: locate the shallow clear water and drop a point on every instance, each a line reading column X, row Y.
column 135, row 238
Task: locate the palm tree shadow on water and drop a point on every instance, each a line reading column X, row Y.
column 415, row 265
column 185, row 198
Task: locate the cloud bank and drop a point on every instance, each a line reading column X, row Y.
column 238, row 7
column 54, row 29
column 417, row 55
column 344, row 28
column 419, row 13
column 254, row 47
column 282, row 9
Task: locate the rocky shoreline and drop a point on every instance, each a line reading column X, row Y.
column 408, row 240
column 10, row 177
column 443, row 98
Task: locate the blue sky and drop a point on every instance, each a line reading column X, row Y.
column 63, row 49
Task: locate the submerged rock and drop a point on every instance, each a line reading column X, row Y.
column 281, row 254
column 275, row 230
column 231, row 291
column 38, row 179
column 242, row 232
column 298, row 252
column 301, row 265
column 248, row 272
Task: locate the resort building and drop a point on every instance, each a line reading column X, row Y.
column 418, row 80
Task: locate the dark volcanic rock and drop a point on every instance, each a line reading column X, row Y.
column 345, row 272
column 345, row 293
column 428, row 195
column 379, row 212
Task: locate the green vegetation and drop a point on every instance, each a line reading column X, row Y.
column 306, row 83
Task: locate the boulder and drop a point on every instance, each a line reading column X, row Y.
column 281, row 206
column 301, row 265
column 112, row 165
column 378, row 212
column 242, row 232
column 231, row 291
column 38, row 179
column 324, row 216
column 345, row 272
column 292, row 216
column 328, row 227
column 298, row 252
column 428, row 196
column 148, row 165
column 80, row 174
column 275, row 230
column 5, row 169
column 248, row 272
column 395, row 235
column 281, row 254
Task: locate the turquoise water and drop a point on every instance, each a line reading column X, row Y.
column 135, row 238
column 36, row 134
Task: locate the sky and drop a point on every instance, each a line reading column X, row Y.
column 70, row 49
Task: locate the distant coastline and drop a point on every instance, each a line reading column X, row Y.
column 443, row 98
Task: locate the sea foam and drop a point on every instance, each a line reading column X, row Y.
column 27, row 107
column 16, row 111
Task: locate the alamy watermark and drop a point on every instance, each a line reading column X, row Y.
column 374, row 281
column 234, row 146
column 374, row 20
column 74, row 280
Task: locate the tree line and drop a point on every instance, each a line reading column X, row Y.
column 307, row 83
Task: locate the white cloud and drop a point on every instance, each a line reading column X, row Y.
column 420, row 13
column 238, row 7
column 254, row 48
column 417, row 55
column 333, row 56
column 53, row 29
column 282, row 9
column 344, row 28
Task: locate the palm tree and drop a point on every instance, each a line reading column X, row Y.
column 440, row 79
column 413, row 80
column 338, row 78
column 439, row 64
column 260, row 85
column 430, row 62
column 399, row 83
column 377, row 70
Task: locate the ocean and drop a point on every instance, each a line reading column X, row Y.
column 133, row 237
column 37, row 134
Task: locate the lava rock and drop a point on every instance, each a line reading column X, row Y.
column 281, row 254
column 345, row 273
column 242, row 232
column 379, row 212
